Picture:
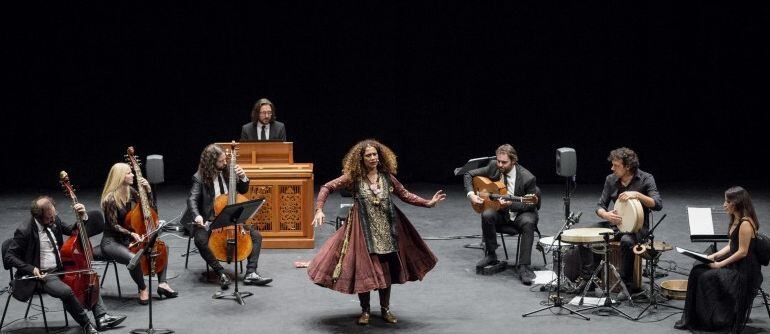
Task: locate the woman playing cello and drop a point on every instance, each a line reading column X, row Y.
column 118, row 200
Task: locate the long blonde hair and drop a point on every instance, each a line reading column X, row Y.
column 114, row 189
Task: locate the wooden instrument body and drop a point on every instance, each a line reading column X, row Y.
column 143, row 220
column 222, row 241
column 135, row 222
column 220, row 237
column 76, row 255
column 85, row 285
column 490, row 191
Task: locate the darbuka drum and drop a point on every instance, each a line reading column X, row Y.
column 549, row 244
column 585, row 235
column 616, row 260
column 632, row 213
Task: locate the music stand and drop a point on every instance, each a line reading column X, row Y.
column 147, row 251
column 236, row 215
column 471, row 165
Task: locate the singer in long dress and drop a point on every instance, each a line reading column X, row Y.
column 720, row 294
column 378, row 246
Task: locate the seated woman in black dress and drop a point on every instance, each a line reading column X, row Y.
column 719, row 295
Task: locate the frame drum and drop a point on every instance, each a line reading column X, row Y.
column 632, row 213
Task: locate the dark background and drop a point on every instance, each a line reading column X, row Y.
column 682, row 83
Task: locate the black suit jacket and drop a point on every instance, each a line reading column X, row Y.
column 24, row 253
column 525, row 184
column 277, row 132
column 201, row 200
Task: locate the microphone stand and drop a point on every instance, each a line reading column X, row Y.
column 653, row 265
column 150, row 255
column 557, row 300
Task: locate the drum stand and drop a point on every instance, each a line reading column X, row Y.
column 562, row 278
column 605, row 267
column 558, row 302
column 652, row 263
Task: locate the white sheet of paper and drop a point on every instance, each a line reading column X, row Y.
column 544, row 276
column 587, row 301
column 701, row 222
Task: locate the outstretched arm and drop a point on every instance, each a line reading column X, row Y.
column 323, row 194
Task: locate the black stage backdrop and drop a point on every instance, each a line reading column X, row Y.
column 682, row 83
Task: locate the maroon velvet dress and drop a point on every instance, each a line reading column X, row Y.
column 376, row 228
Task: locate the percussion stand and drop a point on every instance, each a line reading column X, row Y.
column 652, row 263
column 605, row 266
column 558, row 302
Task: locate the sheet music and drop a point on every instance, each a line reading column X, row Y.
column 698, row 256
column 701, row 222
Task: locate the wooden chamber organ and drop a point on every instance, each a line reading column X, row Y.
column 287, row 187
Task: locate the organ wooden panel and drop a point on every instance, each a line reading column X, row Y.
column 285, row 220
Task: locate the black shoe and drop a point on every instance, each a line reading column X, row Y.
column 681, row 324
column 489, row 258
column 224, row 281
column 167, row 293
column 253, row 278
column 526, row 275
column 89, row 329
column 108, row 321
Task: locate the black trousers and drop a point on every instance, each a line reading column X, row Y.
column 525, row 224
column 53, row 286
column 589, row 260
column 114, row 249
column 201, row 237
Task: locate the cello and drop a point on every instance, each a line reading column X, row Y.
column 143, row 220
column 222, row 240
column 77, row 255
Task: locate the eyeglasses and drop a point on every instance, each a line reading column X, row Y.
column 265, row 112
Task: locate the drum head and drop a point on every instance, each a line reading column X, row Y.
column 549, row 241
column 584, row 235
column 632, row 213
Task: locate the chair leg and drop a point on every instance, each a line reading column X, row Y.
column 42, row 308
column 5, row 310
column 66, row 317
column 117, row 278
column 187, row 255
column 518, row 248
column 106, row 267
column 542, row 252
column 29, row 303
column 505, row 248
column 764, row 297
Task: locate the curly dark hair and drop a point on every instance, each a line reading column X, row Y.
column 626, row 156
column 255, row 110
column 207, row 166
column 353, row 163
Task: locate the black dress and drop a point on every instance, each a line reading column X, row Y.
column 720, row 299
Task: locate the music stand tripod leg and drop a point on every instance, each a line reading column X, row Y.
column 606, row 266
column 558, row 302
column 151, row 260
column 653, row 297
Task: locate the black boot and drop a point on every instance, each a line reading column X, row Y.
column 490, row 257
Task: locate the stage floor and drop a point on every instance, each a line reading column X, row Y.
column 451, row 299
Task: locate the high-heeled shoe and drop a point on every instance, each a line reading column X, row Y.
column 143, row 301
column 167, row 293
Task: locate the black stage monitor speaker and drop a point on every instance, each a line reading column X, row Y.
column 154, row 168
column 566, row 161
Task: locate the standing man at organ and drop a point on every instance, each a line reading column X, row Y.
column 263, row 125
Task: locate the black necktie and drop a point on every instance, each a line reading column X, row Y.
column 221, row 185
column 262, row 135
column 55, row 249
